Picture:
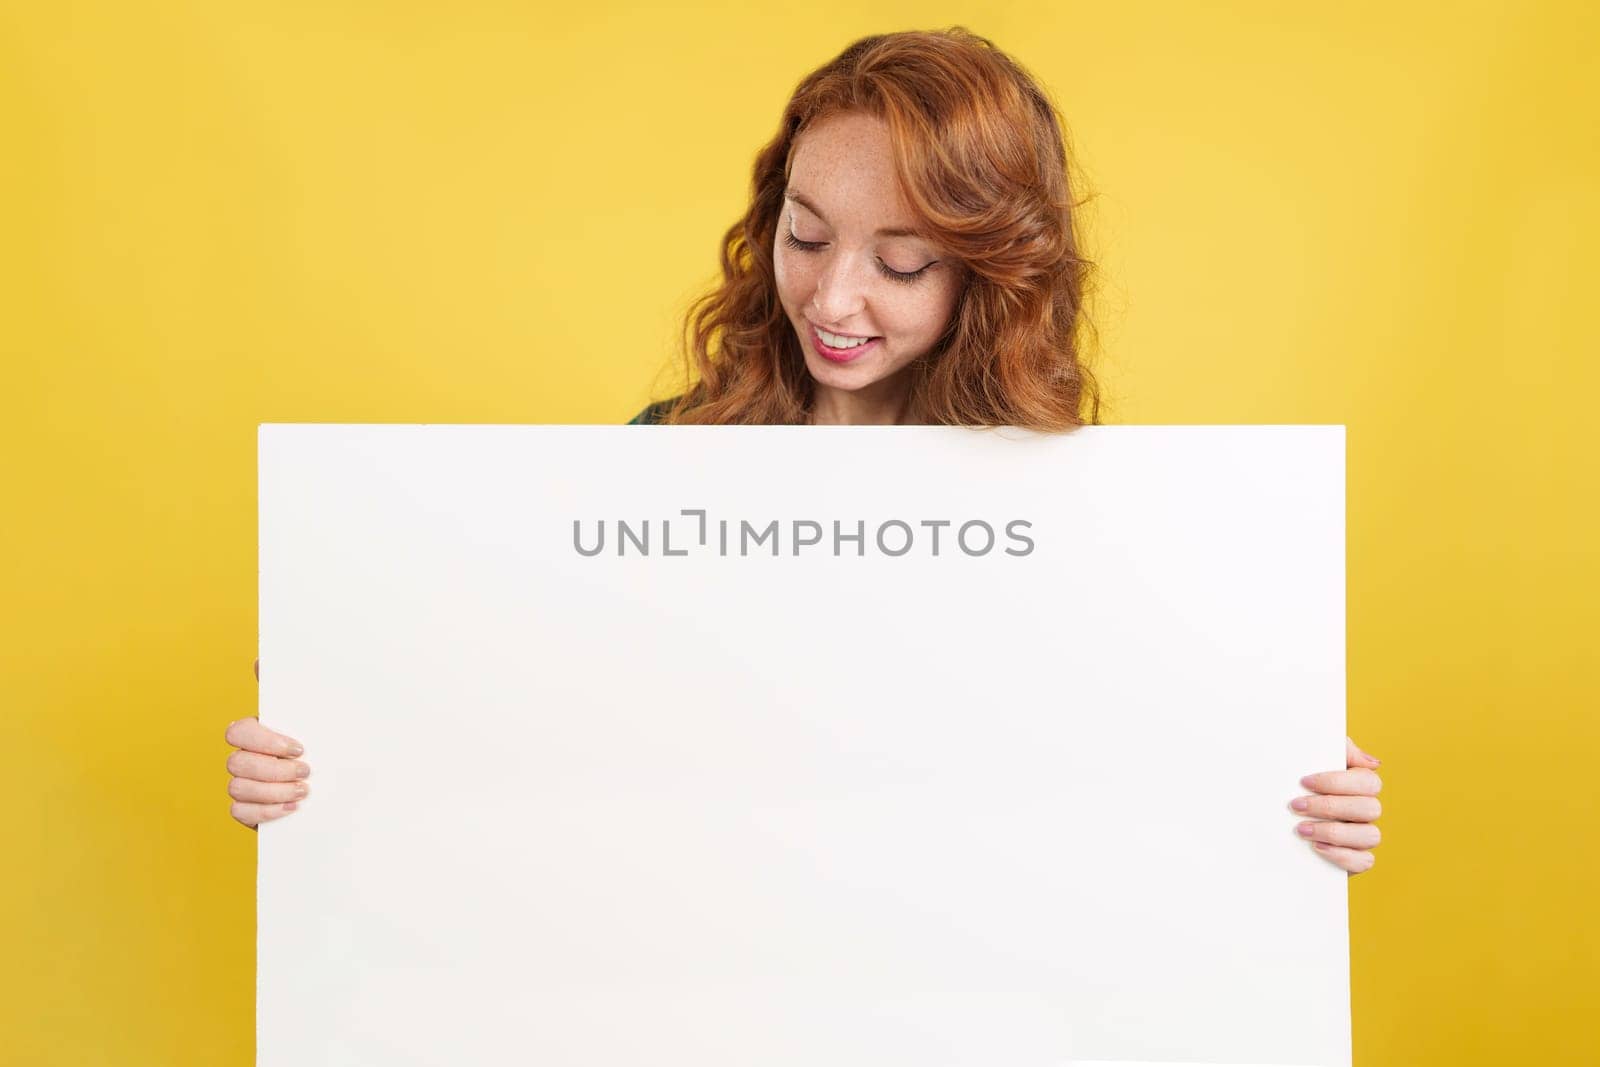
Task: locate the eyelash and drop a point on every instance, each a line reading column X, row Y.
column 888, row 272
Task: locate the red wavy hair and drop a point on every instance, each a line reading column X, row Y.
column 980, row 158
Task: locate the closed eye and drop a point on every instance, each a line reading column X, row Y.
column 887, row 271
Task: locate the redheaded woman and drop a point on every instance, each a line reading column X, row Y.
column 910, row 255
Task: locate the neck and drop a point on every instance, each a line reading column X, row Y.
column 880, row 404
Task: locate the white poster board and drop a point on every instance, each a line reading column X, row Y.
column 747, row 790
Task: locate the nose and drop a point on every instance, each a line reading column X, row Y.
column 840, row 290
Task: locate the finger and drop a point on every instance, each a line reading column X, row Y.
column 1344, row 834
column 1339, row 809
column 249, row 734
column 256, row 814
column 1359, row 782
column 257, row 792
column 1353, row 860
column 1354, row 757
column 266, row 768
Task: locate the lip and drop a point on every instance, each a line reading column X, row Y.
column 840, row 355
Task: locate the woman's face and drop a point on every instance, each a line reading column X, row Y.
column 842, row 268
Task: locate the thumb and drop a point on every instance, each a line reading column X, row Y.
column 1354, row 757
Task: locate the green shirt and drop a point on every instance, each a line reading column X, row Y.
column 650, row 416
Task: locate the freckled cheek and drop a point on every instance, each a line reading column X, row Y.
column 933, row 316
column 792, row 279
column 915, row 318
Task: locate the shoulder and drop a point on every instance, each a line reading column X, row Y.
column 652, row 414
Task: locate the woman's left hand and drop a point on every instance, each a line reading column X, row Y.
column 1343, row 811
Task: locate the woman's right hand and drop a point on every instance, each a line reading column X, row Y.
column 267, row 782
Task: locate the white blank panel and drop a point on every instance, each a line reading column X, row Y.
column 871, row 810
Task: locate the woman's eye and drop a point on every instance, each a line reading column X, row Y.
column 887, row 271
column 900, row 275
column 805, row 246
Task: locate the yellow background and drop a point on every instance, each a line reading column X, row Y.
column 216, row 214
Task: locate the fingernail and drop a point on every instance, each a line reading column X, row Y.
column 300, row 790
column 1306, row 781
column 1300, row 804
column 302, row 770
column 291, row 806
column 1320, row 847
column 1304, row 829
column 296, row 748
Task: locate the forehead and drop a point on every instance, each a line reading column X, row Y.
column 844, row 165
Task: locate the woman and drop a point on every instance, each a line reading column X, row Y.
column 909, row 256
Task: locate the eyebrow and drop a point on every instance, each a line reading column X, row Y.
column 805, row 202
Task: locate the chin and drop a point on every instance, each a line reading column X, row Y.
column 847, row 376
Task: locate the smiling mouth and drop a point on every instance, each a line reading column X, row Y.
column 841, row 334
column 840, row 355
